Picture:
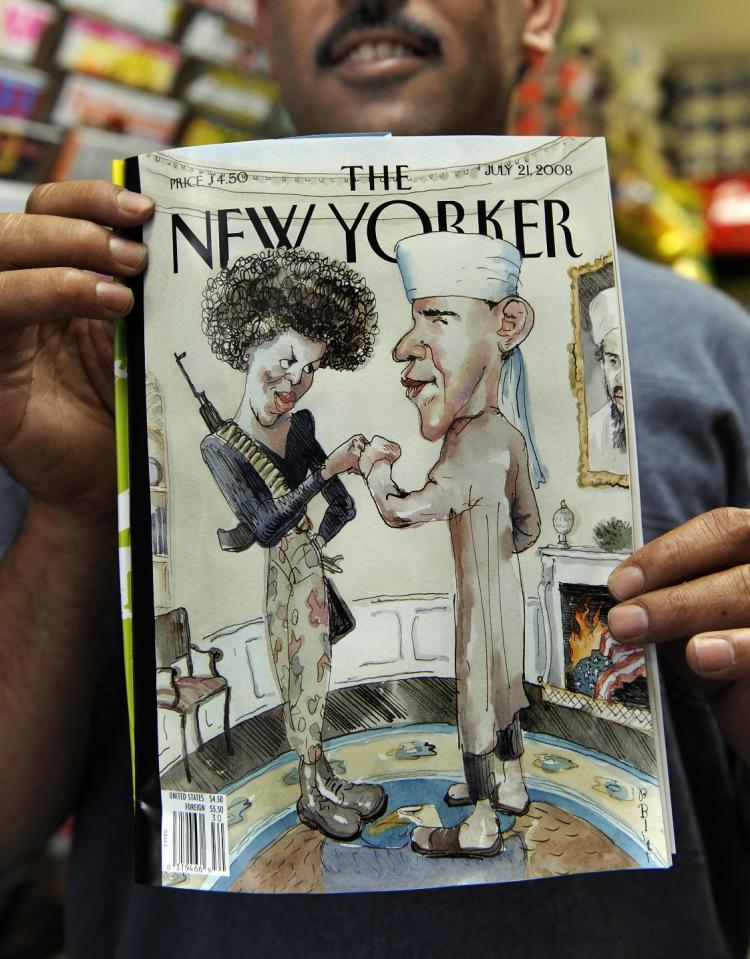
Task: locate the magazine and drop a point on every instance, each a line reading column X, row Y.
column 376, row 464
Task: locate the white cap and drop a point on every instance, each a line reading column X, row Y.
column 604, row 313
column 458, row 264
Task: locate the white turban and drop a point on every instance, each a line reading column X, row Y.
column 604, row 313
column 458, row 264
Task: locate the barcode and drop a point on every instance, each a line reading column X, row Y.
column 194, row 833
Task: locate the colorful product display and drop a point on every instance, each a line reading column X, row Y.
column 22, row 26
column 159, row 71
column 154, row 18
column 97, row 48
column 86, row 101
column 708, row 119
column 21, row 91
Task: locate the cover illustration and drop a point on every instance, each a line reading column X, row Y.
column 376, row 466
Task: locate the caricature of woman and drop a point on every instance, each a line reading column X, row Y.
column 278, row 317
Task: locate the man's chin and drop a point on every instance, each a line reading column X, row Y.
column 432, row 430
column 402, row 105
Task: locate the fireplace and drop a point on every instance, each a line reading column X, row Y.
column 578, row 663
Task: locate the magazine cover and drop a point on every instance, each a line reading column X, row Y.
column 376, row 466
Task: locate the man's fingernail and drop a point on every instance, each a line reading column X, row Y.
column 114, row 296
column 126, row 252
column 135, row 203
column 626, row 582
column 627, row 622
column 714, row 654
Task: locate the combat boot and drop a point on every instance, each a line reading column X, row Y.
column 368, row 799
column 320, row 812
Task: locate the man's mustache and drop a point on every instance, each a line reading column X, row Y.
column 367, row 15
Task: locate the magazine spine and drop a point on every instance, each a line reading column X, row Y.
column 123, row 497
column 135, row 534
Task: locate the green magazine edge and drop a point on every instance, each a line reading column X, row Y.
column 123, row 502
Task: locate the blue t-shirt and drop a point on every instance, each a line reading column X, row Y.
column 689, row 348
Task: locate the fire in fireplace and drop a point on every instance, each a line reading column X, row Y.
column 595, row 665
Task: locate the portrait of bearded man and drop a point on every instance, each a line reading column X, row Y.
column 606, row 425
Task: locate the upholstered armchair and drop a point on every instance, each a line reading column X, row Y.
column 184, row 693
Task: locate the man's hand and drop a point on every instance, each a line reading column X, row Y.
column 57, row 307
column 56, row 437
column 344, row 458
column 694, row 583
column 378, row 449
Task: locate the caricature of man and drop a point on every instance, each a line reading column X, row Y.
column 467, row 319
column 607, row 447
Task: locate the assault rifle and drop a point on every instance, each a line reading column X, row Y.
column 208, row 411
column 240, row 538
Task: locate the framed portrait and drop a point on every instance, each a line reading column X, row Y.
column 597, row 374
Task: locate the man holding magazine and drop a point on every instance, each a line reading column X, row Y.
column 410, row 66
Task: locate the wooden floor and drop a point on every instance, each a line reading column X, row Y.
column 262, row 738
column 377, row 705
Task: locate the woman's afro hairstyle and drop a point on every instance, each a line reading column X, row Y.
column 263, row 295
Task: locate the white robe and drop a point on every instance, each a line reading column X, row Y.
column 481, row 486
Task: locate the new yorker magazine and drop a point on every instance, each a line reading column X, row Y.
column 376, row 464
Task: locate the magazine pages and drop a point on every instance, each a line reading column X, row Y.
column 381, row 464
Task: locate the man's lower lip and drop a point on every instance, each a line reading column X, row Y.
column 390, row 70
column 412, row 392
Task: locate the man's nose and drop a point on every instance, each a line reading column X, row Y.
column 409, row 347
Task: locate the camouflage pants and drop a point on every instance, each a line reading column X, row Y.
column 297, row 624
